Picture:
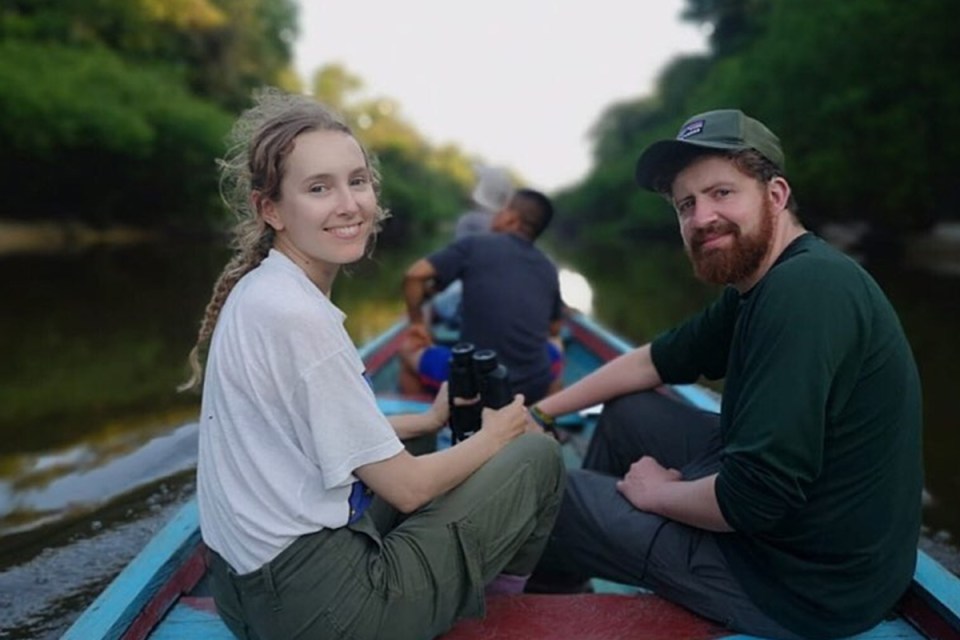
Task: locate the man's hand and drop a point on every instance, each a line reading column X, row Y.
column 416, row 338
column 643, row 481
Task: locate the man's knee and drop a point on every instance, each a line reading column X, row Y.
column 622, row 411
column 637, row 409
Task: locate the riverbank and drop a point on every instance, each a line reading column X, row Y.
column 937, row 251
column 55, row 237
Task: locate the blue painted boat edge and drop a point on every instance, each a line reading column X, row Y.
column 394, row 406
column 939, row 587
column 377, row 343
column 695, row 394
column 898, row 629
column 115, row 609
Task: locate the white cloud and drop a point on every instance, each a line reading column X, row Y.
column 517, row 82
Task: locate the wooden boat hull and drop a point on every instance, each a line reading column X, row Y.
column 162, row 593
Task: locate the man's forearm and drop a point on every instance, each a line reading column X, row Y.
column 633, row 371
column 692, row 502
column 414, row 292
column 415, row 283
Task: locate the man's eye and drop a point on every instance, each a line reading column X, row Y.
column 318, row 188
column 359, row 180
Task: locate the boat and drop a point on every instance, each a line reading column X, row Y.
column 164, row 592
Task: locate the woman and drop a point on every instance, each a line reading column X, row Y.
column 319, row 522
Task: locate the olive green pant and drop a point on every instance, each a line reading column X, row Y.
column 389, row 576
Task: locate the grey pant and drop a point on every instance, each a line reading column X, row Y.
column 600, row 534
column 389, row 576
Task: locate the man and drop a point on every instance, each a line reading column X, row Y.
column 511, row 297
column 492, row 192
column 796, row 511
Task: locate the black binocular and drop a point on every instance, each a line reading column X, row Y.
column 475, row 374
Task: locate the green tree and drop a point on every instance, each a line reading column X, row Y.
column 222, row 48
column 862, row 94
column 88, row 136
column 113, row 110
column 733, row 23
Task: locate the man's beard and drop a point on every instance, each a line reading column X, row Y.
column 727, row 266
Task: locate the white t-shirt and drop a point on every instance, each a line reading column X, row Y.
column 285, row 419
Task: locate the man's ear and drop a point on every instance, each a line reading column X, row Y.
column 779, row 190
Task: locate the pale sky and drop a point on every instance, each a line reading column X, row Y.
column 518, row 83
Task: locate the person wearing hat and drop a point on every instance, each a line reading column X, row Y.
column 795, row 512
column 492, row 192
column 511, row 300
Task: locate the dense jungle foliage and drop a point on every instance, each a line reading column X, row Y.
column 112, row 111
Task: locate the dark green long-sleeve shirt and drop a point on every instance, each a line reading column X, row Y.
column 821, row 471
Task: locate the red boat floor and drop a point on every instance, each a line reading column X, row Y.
column 584, row 617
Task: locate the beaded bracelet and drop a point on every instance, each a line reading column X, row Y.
column 547, row 422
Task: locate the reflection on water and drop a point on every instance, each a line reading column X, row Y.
column 576, row 291
column 46, row 488
column 69, row 568
column 97, row 449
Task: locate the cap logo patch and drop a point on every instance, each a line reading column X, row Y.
column 690, row 129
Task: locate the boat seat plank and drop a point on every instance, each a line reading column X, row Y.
column 613, row 617
column 584, row 617
column 526, row 617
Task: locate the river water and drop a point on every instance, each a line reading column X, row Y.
column 97, row 449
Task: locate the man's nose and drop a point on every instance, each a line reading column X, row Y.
column 702, row 214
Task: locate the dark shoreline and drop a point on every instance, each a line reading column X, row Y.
column 937, row 251
column 55, row 237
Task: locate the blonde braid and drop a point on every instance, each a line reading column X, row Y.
column 238, row 266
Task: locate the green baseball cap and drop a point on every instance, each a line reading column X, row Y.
column 725, row 129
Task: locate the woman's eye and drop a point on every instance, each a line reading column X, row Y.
column 318, row 188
